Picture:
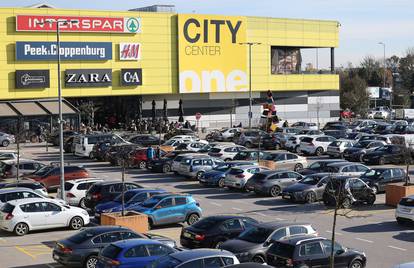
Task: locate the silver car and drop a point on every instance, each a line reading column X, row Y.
column 288, row 161
column 196, row 166
column 6, row 139
column 237, row 177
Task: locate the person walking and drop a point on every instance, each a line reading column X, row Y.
column 150, row 153
column 285, row 124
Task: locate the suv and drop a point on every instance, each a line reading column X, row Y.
column 76, row 190
column 404, row 212
column 312, row 251
column 8, row 168
column 346, row 191
column 51, row 179
column 316, row 145
column 106, row 191
column 196, row 166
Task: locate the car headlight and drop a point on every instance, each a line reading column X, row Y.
column 84, row 212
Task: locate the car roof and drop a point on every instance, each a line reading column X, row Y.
column 164, row 195
column 295, row 240
column 225, row 217
column 14, row 161
column 85, row 180
column 271, row 172
column 30, row 200
column 104, row 228
column 144, row 190
column 342, row 164
column 14, row 189
column 187, row 255
column 279, row 224
column 245, row 167
column 136, row 241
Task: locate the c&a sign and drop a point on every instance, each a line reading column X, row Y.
column 45, row 23
column 210, row 56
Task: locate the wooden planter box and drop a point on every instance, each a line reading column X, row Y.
column 135, row 221
column 395, row 191
column 269, row 164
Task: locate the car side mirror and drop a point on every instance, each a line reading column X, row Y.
column 340, row 252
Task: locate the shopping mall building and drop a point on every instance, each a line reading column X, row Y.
column 115, row 58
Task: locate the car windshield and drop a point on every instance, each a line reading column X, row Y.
column 362, row 144
column 81, row 237
column 127, row 197
column 170, row 142
column 310, row 180
column 215, row 150
column 205, row 223
column 152, row 201
column 255, row 235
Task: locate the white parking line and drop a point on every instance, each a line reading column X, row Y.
column 238, row 209
column 336, row 233
column 397, row 248
column 216, row 204
column 364, row 240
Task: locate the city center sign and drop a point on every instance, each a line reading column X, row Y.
column 45, row 23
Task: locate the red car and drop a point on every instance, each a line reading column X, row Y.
column 51, row 179
column 138, row 158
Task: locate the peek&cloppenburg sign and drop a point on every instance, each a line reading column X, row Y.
column 44, row 23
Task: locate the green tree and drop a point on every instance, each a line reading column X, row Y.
column 406, row 70
column 353, row 92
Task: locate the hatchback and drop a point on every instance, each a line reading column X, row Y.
column 8, row 168
column 237, row 177
column 316, row 145
column 337, row 148
column 347, row 168
column 170, row 208
column 196, row 166
column 29, row 214
column 252, row 138
column 51, row 180
column 288, row 161
column 272, row 183
column 378, row 178
column 388, row 154
column 211, row 232
column 309, row 189
column 35, row 186
column 16, row 193
column 251, row 155
column 226, row 153
column 313, row 251
column 252, row 244
column 76, row 190
column 216, row 176
column 405, row 210
column 164, row 164
column 132, row 253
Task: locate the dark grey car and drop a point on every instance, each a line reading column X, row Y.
column 272, row 183
column 310, row 189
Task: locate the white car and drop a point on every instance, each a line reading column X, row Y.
column 405, row 210
column 226, row 152
column 237, row 177
column 337, row 148
column 29, row 214
column 316, row 145
column 228, row 134
column 16, row 193
column 76, row 190
column 293, row 142
column 176, row 162
column 380, row 112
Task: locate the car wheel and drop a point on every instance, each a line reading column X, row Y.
column 91, row 261
column 371, row 199
column 374, row 189
column 298, row 167
column 221, row 183
column 347, row 203
column 361, row 158
column 258, row 259
column 199, row 175
column 21, row 229
column 218, row 244
column 310, row 197
column 76, row 223
column 274, row 191
column 5, row 143
column 297, row 149
column 82, row 203
column 166, row 168
column 91, row 155
column 192, row 218
column 356, row 264
column 319, row 151
column 142, row 164
column 248, row 144
column 381, row 161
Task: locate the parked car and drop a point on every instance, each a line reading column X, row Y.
column 337, row 131
column 252, row 138
column 272, row 183
column 293, row 143
column 30, row 214
column 101, row 149
column 251, row 155
column 319, row 166
column 227, row 134
column 137, row 253
column 8, row 168
column 126, row 153
column 405, row 210
column 176, row 162
column 145, row 140
column 54, row 137
column 305, row 125
column 360, row 124
column 138, row 158
column 6, row 139
column 51, row 180
column 344, row 191
column 358, row 150
column 16, row 193
column 337, row 148
column 163, row 164
column 8, row 155
column 35, row 186
column 252, row 244
column 82, row 249
column 170, row 208
column 317, row 145
column 213, row 231
column 309, row 189
column 194, row 146
column 237, row 177
column 226, row 152
column 216, row 176
column 347, row 168
column 313, row 251
column 378, row 178
column 83, row 144
column 288, row 161
column 274, row 142
column 196, row 258
column 76, row 190
column 195, row 166
column 388, row 154
column 106, row 191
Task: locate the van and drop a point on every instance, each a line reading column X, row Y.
column 83, row 144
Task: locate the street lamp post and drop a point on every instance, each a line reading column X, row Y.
column 384, row 81
column 250, row 44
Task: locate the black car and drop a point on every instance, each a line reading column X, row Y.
column 163, row 164
column 313, row 251
column 358, row 151
column 106, row 191
column 309, row 189
column 82, row 248
column 252, row 244
column 388, row 154
column 146, row 140
column 319, row 166
column 378, row 178
column 212, row 232
column 345, row 191
column 251, row 155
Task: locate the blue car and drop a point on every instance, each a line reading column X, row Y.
column 132, row 198
column 132, row 253
column 215, row 177
column 170, row 208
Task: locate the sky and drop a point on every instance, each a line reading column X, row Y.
column 364, row 23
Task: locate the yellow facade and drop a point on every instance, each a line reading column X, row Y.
column 159, row 60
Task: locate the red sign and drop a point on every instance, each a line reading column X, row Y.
column 43, row 23
column 198, row 116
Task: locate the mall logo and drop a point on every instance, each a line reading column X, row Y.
column 88, row 78
column 129, row 51
column 131, row 77
column 32, row 78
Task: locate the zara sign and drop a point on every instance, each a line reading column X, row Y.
column 88, row 77
column 131, row 77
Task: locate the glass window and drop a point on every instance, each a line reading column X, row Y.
column 130, row 235
column 397, row 172
column 166, row 203
column 227, row 261
column 110, row 237
column 129, row 186
column 357, row 184
column 84, row 186
column 327, row 246
column 361, row 168
column 158, row 250
column 291, row 156
column 180, row 201
column 386, row 175
column 279, row 234
column 294, row 175
column 138, row 251
column 193, row 264
column 32, row 207
column 197, row 162
column 294, row 230
column 247, row 223
column 50, row 207
column 207, row 162
column 14, row 196
column 115, row 188
column 214, row 262
column 232, row 225
column 311, row 249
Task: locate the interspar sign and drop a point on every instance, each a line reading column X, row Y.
column 68, row 50
column 45, row 23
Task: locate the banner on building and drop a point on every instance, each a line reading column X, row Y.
column 131, row 77
column 88, row 77
column 32, row 79
column 211, row 58
column 32, row 51
column 46, row 23
column 129, row 51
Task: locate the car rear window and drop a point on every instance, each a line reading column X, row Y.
column 235, row 171
column 215, row 150
column 307, row 139
column 407, row 202
column 81, row 237
column 282, row 250
column 95, row 188
column 205, row 223
column 68, row 186
column 111, row 251
column 7, row 208
column 259, row 177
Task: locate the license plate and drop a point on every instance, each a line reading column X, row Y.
column 187, row 235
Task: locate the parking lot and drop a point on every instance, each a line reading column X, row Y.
column 370, row 229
